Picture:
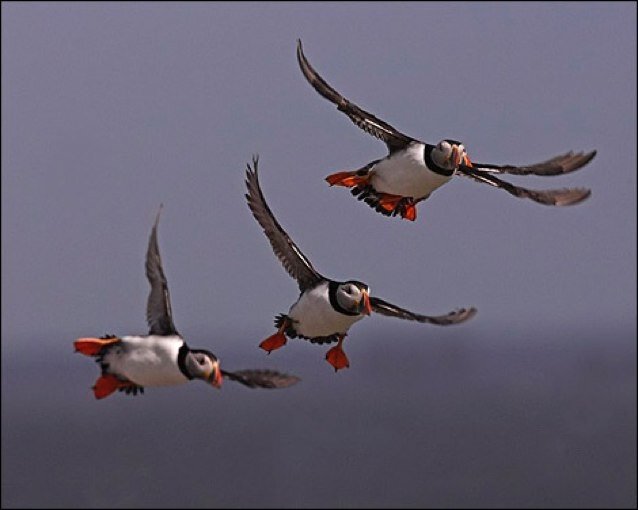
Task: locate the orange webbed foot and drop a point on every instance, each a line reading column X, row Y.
column 274, row 342
column 347, row 179
column 93, row 346
column 337, row 358
column 408, row 212
column 107, row 384
column 389, row 202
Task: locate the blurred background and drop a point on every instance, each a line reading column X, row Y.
column 109, row 110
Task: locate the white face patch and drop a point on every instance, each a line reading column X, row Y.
column 444, row 148
column 349, row 296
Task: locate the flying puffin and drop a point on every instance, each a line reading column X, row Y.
column 325, row 309
column 162, row 358
column 413, row 169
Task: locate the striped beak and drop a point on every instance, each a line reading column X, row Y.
column 467, row 162
column 215, row 377
column 455, row 157
column 365, row 306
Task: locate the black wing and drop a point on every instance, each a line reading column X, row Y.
column 261, row 378
column 293, row 260
column 559, row 165
column 455, row 317
column 393, row 138
column 158, row 308
column 564, row 196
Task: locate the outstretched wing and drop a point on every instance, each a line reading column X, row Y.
column 559, row 165
column 261, row 378
column 393, row 138
column 293, row 260
column 560, row 197
column 158, row 308
column 455, row 317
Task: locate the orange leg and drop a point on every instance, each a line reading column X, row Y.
column 347, row 179
column 275, row 341
column 93, row 346
column 107, row 384
column 336, row 357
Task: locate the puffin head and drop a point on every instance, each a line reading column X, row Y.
column 449, row 154
column 353, row 296
column 201, row 364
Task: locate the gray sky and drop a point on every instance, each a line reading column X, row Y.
column 109, row 110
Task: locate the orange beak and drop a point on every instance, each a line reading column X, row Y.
column 467, row 161
column 455, row 156
column 216, row 377
column 367, row 308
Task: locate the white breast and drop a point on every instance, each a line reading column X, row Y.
column 147, row 360
column 314, row 316
column 405, row 174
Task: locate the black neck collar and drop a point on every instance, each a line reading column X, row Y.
column 181, row 360
column 427, row 156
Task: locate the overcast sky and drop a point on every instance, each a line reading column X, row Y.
column 109, row 110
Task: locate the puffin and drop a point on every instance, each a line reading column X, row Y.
column 325, row 309
column 413, row 169
column 162, row 358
